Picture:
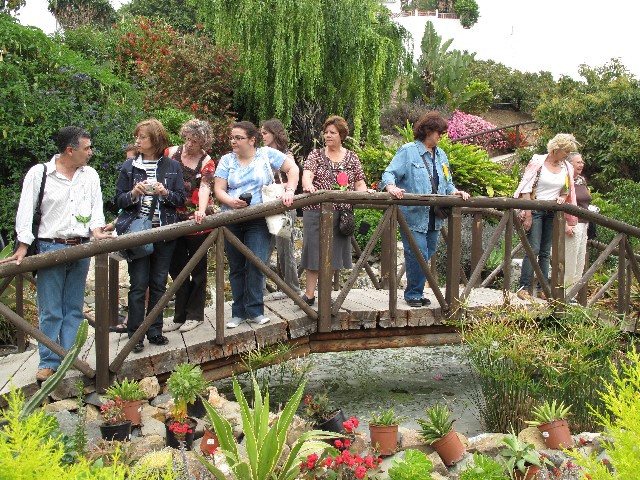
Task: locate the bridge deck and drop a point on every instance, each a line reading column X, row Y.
column 364, row 313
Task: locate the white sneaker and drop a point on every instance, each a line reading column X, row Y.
column 171, row 326
column 278, row 295
column 189, row 325
column 235, row 321
column 260, row 320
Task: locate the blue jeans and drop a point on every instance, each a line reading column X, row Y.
column 246, row 280
column 60, row 296
column 416, row 279
column 539, row 236
column 150, row 271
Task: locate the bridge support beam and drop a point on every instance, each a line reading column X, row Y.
column 454, row 253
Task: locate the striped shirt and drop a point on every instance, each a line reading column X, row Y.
column 70, row 208
column 150, row 167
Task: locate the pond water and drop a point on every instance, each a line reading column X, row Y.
column 407, row 379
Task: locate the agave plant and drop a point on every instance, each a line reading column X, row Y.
column 548, row 412
column 438, row 423
column 385, row 418
column 264, row 443
column 519, row 455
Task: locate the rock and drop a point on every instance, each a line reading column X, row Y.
column 160, row 400
column 148, row 443
column 151, row 426
column 438, row 464
column 297, row 428
column 67, row 421
column 150, row 386
column 93, row 414
column 69, row 405
column 486, row 443
column 216, row 399
column 534, row 436
column 412, row 439
column 437, row 476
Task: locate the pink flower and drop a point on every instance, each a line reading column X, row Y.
column 360, row 472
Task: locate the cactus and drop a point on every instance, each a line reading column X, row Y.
column 52, row 382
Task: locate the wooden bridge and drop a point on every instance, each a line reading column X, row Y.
column 345, row 318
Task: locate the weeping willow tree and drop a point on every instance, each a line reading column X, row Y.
column 345, row 55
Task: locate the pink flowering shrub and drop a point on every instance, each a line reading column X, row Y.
column 462, row 124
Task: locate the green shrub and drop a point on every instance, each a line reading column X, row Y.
column 414, row 466
column 399, row 114
column 481, row 98
column 483, row 468
column 374, row 159
column 372, row 217
column 571, row 350
column 621, row 422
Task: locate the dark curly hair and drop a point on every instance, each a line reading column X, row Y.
column 431, row 122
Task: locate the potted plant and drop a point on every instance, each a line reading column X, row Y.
column 131, row 396
column 551, row 420
column 383, row 430
column 521, row 459
column 209, row 442
column 321, row 415
column 115, row 425
column 437, row 430
column 185, row 385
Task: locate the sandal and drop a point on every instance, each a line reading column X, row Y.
column 159, row 340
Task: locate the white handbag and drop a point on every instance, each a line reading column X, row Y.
column 279, row 224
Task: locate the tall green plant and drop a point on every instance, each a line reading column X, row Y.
column 345, row 55
column 265, row 457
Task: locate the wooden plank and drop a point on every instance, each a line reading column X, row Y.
column 351, row 344
column 200, row 342
column 270, row 333
column 24, row 377
column 298, row 322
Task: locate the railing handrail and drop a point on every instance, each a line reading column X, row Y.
column 382, row 199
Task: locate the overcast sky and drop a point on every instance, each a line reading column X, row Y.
column 553, row 35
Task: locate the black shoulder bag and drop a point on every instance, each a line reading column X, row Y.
column 438, row 211
column 37, row 217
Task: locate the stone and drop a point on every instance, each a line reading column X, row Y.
column 534, row 436
column 148, row 443
column 412, row 439
column 93, row 413
column 150, row 386
column 69, row 404
column 151, row 426
column 216, row 399
column 437, row 476
column 488, row 444
column 67, row 421
column 297, row 428
column 438, row 464
column 161, row 399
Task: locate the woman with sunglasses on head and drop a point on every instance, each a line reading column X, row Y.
column 275, row 136
column 150, row 185
column 333, row 166
column 238, row 183
column 421, row 167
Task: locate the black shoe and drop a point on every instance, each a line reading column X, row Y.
column 139, row 347
column 120, row 328
column 308, row 301
column 418, row 302
column 159, row 340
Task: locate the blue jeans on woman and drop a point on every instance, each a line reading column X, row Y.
column 60, row 302
column 539, row 236
column 416, row 279
column 150, row 271
column 246, row 280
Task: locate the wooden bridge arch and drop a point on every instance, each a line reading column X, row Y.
column 458, row 287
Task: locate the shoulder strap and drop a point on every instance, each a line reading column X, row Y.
column 160, row 174
column 37, row 214
column 433, row 184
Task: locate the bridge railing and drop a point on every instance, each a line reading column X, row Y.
column 449, row 298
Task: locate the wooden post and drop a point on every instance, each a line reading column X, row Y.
column 114, row 290
column 557, row 257
column 392, row 255
column 508, row 244
column 387, row 244
column 325, row 272
column 102, row 322
column 623, row 299
column 454, row 253
column 476, row 242
column 220, row 286
column 583, row 293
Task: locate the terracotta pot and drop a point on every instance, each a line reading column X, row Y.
column 334, row 424
column 530, row 473
column 450, row 448
column 118, row 431
column 209, row 442
column 556, row 434
column 384, row 438
column 132, row 410
column 171, row 439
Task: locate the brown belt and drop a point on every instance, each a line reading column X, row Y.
column 66, row 241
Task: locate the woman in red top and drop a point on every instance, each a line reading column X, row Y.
column 197, row 172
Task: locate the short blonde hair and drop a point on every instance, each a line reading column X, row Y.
column 563, row 141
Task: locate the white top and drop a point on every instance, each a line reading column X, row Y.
column 70, row 208
column 550, row 184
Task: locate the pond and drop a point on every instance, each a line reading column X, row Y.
column 407, row 379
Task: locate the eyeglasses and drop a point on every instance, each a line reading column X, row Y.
column 237, row 138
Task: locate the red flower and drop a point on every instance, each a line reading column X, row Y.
column 360, row 472
column 338, row 443
column 194, row 196
column 347, row 442
column 194, row 107
column 342, row 179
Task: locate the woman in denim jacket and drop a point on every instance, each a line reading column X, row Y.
column 408, row 173
column 136, row 187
